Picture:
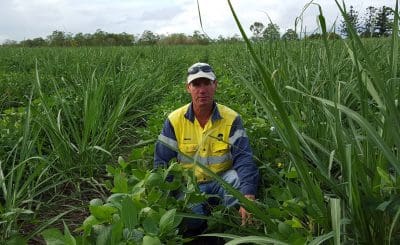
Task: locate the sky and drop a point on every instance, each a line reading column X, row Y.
column 27, row 19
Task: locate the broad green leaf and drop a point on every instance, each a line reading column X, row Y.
column 129, row 213
column 295, row 223
column 88, row 223
column 150, row 226
column 154, row 179
column 139, row 174
column 120, row 183
column 116, row 199
column 149, row 240
column 284, row 228
column 167, row 221
column 103, row 235
column 135, row 235
column 116, row 232
column 154, row 195
column 103, row 212
column 53, row 236
column 68, row 238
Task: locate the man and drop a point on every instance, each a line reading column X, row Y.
column 213, row 135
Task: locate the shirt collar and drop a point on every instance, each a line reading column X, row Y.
column 215, row 114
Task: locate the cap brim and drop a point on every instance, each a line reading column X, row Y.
column 201, row 74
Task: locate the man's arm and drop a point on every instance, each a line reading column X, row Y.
column 247, row 171
column 166, row 146
column 242, row 157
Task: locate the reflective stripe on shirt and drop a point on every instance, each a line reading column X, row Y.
column 238, row 133
column 168, row 141
column 205, row 160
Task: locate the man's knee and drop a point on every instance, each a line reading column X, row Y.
column 232, row 178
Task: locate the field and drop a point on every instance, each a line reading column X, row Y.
column 78, row 127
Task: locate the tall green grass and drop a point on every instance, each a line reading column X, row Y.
column 332, row 104
column 338, row 120
column 24, row 177
column 83, row 112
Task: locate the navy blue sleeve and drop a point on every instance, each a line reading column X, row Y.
column 166, row 146
column 242, row 157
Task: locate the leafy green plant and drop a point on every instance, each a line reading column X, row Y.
column 141, row 210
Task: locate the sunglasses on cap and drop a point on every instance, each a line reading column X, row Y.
column 203, row 68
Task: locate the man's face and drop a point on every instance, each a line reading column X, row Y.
column 202, row 91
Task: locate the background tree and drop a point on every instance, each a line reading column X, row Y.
column 80, row 39
column 257, row 29
column 57, row 38
column 369, row 22
column 235, row 38
column 98, row 38
column 200, row 38
column 290, row 34
column 148, row 37
column 175, row 38
column 36, row 42
column 125, row 39
column 271, row 32
column 10, row 43
column 384, row 22
column 354, row 22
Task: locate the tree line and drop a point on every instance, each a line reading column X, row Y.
column 102, row 38
column 376, row 22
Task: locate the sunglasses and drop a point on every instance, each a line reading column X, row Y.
column 204, row 68
column 198, row 83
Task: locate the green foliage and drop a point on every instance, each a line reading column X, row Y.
column 143, row 211
column 271, row 32
column 341, row 160
column 181, row 38
column 321, row 116
column 384, row 22
column 377, row 22
column 290, row 34
column 257, row 29
column 148, row 37
column 353, row 21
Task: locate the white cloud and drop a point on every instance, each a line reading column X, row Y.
column 20, row 19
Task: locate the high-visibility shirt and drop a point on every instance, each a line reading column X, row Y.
column 221, row 145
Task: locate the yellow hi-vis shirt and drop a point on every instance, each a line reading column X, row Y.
column 221, row 145
column 208, row 146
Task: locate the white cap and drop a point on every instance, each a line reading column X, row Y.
column 199, row 70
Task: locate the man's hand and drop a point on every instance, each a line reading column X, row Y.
column 246, row 216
